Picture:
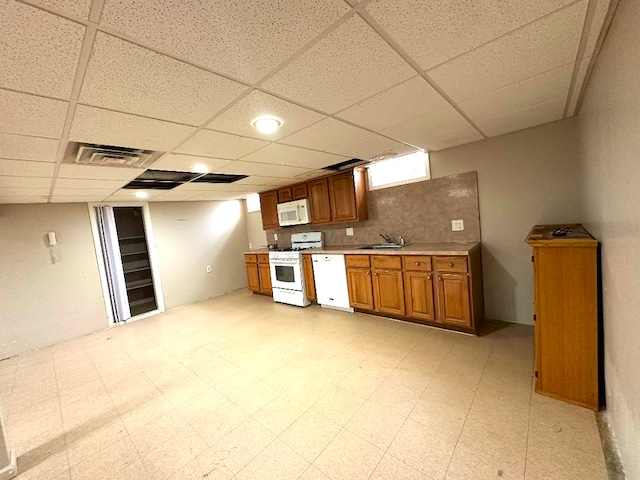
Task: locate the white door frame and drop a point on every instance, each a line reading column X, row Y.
column 151, row 248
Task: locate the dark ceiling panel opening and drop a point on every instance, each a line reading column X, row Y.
column 219, row 178
column 160, row 180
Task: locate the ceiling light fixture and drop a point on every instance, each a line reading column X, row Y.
column 141, row 194
column 266, row 124
column 200, row 168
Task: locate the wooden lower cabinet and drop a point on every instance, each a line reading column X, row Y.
column 407, row 287
column 258, row 273
column 388, row 291
column 454, row 299
column 419, row 297
column 309, row 280
column 360, row 288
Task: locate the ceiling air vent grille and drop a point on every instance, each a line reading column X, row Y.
column 346, row 165
column 109, row 156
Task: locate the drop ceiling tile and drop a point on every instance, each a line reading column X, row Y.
column 532, row 91
column 39, row 51
column 325, row 134
column 528, row 117
column 370, row 147
column 599, row 16
column 19, row 147
column 76, row 183
column 420, row 130
column 130, row 195
column 312, row 174
column 98, row 173
column 451, row 138
column 77, row 198
column 24, row 114
column 262, row 169
column 125, row 77
column 86, row 192
column 581, row 77
column 95, row 125
column 25, row 182
column 255, row 180
column 178, row 194
column 192, row 187
column 277, row 154
column 242, row 39
column 539, row 47
column 398, row 104
column 435, row 31
column 20, row 168
column 17, row 200
column 79, row 8
column 185, row 163
column 220, row 145
column 23, row 192
column 349, row 65
column 213, row 196
column 258, row 104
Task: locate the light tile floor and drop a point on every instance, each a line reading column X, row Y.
column 241, row 387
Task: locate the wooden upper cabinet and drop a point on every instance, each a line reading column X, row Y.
column 269, row 210
column 319, row 200
column 454, row 299
column 388, row 291
column 343, row 197
column 309, row 280
column 360, row 287
column 419, row 297
column 285, row 194
column 299, row 191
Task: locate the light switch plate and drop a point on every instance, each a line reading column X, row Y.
column 349, row 232
column 457, row 225
column 275, row 236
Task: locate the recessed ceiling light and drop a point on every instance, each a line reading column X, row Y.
column 200, row 168
column 141, row 194
column 266, row 124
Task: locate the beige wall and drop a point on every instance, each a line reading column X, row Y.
column 256, row 235
column 191, row 235
column 609, row 124
column 524, row 178
column 43, row 303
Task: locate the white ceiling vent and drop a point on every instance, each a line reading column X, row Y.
column 109, row 156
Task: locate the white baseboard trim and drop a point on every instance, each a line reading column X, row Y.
column 11, row 470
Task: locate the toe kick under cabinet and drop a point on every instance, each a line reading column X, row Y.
column 443, row 291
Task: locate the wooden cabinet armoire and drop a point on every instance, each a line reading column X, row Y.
column 565, row 266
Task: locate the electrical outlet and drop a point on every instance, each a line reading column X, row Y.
column 208, row 268
column 250, row 246
column 349, row 232
column 275, row 236
column 457, row 225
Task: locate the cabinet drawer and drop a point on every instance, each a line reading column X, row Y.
column 299, row 191
column 417, row 263
column 250, row 258
column 452, row 264
column 357, row 260
column 263, row 258
column 392, row 262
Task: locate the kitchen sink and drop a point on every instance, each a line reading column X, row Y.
column 381, row 246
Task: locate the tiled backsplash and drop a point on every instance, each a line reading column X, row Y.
column 421, row 212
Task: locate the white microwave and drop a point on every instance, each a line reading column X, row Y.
column 293, row 213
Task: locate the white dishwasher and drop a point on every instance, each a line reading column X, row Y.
column 330, row 274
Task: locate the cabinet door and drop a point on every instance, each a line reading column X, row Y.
column 309, row 280
column 319, row 199
column 360, row 288
column 388, row 291
column 269, row 210
column 454, row 302
column 265, row 279
column 299, row 191
column 343, row 197
column 419, row 298
column 253, row 277
column 285, row 194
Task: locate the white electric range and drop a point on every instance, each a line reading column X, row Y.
column 287, row 270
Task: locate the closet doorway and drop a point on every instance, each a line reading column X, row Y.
column 126, row 258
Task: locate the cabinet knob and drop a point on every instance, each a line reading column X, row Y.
column 417, row 263
column 440, row 277
column 368, row 272
column 451, row 264
column 429, row 277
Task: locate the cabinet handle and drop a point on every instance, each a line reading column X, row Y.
column 440, row 277
column 429, row 277
column 417, row 263
column 368, row 272
column 376, row 274
column 451, row 264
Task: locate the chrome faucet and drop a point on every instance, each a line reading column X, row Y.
column 387, row 238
